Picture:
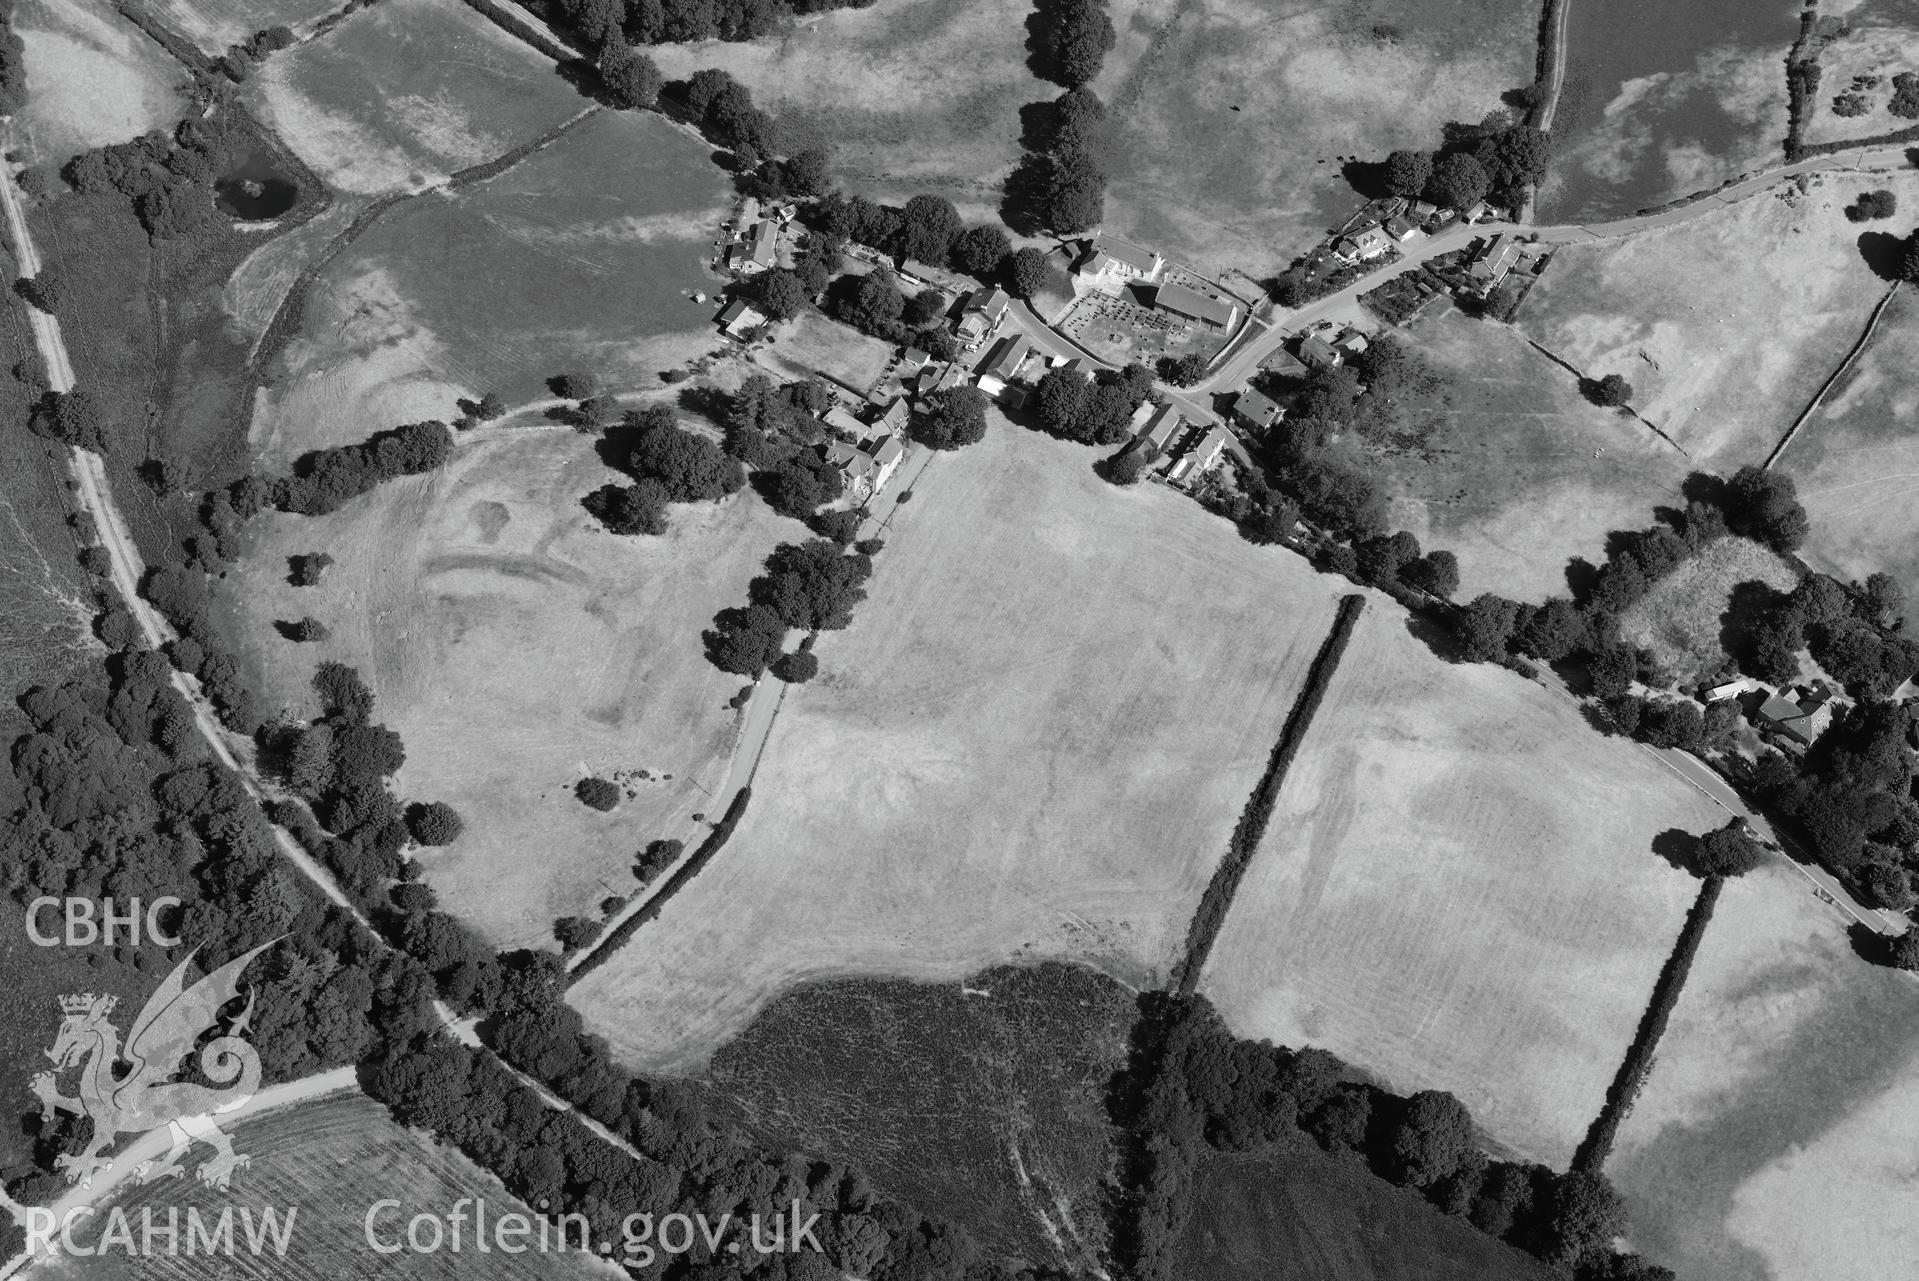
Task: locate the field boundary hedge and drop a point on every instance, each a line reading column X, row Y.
column 182, row 50
column 616, row 938
column 1218, row 898
column 518, row 27
column 1637, row 1065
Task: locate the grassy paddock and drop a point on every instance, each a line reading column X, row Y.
column 517, row 647
column 1875, row 47
column 1312, row 82
column 1682, row 619
column 814, row 344
column 985, row 1099
column 1856, row 461
column 330, row 1160
column 1458, row 892
column 92, row 78
column 1513, row 470
column 403, row 94
column 1774, row 1138
column 1297, row 1211
column 582, row 257
column 1726, row 324
column 1032, row 743
column 213, row 25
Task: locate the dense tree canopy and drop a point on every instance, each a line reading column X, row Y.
column 954, row 417
column 630, row 78
column 1458, row 182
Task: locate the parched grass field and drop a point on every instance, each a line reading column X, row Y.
column 1856, row 461
column 517, row 647
column 1514, row 471
column 1725, row 324
column 401, row 95
column 1774, row 1139
column 582, row 257
column 1681, row 620
column 216, row 24
column 1880, row 43
column 1300, row 1213
column 1458, row 891
column 1032, row 743
column 1233, row 115
column 92, row 78
column 813, row 344
column 985, row 1099
column 914, row 96
column 328, row 1161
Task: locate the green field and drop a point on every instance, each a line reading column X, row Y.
column 985, row 1098
column 582, row 257
column 92, row 78
column 1774, row 1139
column 404, row 93
column 1295, row 1213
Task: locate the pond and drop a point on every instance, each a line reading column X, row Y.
column 255, row 189
column 1663, row 98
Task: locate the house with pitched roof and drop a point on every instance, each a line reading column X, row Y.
column 982, row 316
column 1256, row 410
column 1109, row 262
column 1184, row 300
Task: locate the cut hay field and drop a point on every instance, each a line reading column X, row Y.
column 1726, row 324
column 1682, row 620
column 1517, row 473
column 402, row 94
column 1774, row 1139
column 914, row 96
column 985, row 1098
column 813, row 344
column 584, row 256
column 517, row 647
column 92, row 78
column 1032, row 743
column 1305, row 1215
column 1458, row 891
column 1856, row 461
column 1233, row 115
column 327, row 1161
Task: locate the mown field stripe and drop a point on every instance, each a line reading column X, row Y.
column 1633, row 1070
column 1218, row 898
column 614, row 939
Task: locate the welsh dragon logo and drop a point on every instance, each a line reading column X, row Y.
column 147, row 1094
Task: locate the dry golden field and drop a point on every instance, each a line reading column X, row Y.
column 1774, row 1139
column 1681, row 619
column 92, row 78
column 1458, row 891
column 516, row 646
column 1032, row 743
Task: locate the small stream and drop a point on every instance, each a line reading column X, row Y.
column 1663, row 97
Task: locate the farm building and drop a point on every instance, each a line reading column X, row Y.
column 1110, row 262
column 1802, row 719
column 740, row 319
column 1256, row 410
column 1183, row 300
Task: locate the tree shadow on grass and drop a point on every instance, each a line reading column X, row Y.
column 1884, row 253
column 1677, row 846
column 1443, row 641
column 1367, row 178
column 1747, row 608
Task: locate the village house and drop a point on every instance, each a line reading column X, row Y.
column 1316, row 353
column 1350, row 343
column 1491, row 262
column 1183, row 300
column 758, row 251
column 1363, row 246
column 1801, row 718
column 1255, row 410
column 982, row 316
column 1005, row 360
column 1422, row 212
column 740, row 319
column 1402, row 229
column 1002, row 391
column 1207, row 453
column 1109, row 263
column 893, row 421
column 1160, row 430
column 1283, row 364
column 912, row 360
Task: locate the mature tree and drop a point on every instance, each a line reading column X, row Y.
column 308, row 630
column 1488, row 627
column 1731, row 850
column 491, row 406
column 1408, row 172
column 306, row 570
column 1584, row 1214
column 1515, row 157
column 1884, row 599
column 48, row 291
column 1904, row 951
column 925, row 307
column 745, row 641
column 574, row 933
column 1458, row 182
column 600, row 793
column 1437, row 572
column 797, row 668
column 928, row 227
column 1909, row 264
column 781, row 294
column 630, row 509
column 690, row 467
column 72, row 418
column 1059, row 399
column 1128, row 467
column 1183, row 371
column 574, row 386
column 978, row 251
column 1764, row 506
column 1669, row 722
column 630, row 78
column 1380, row 559
column 812, row 585
column 1069, row 40
column 1075, row 193
column 1551, row 631
column 1433, row 1139
column 1028, row 272
column 874, row 305
column 1611, row 391
column 954, row 417
column 434, row 823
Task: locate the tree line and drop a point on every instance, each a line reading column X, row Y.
column 1191, row 1089
column 598, row 22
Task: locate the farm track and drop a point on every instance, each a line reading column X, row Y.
column 1845, row 367
column 1217, row 901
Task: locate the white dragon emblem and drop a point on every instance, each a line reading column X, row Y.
column 148, row 1095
